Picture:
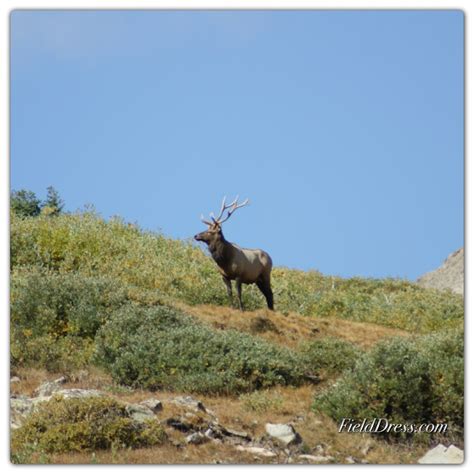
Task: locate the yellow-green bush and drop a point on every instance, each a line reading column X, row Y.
column 83, row 424
column 263, row 401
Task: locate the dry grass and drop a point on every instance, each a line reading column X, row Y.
column 290, row 330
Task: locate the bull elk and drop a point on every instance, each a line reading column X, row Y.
column 235, row 263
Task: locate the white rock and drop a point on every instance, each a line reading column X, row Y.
column 284, row 433
column 20, row 408
column 79, row 393
column 15, row 379
column 196, row 438
column 139, row 412
column 318, row 459
column 238, row 434
column 48, row 388
column 189, row 402
column 257, row 450
column 153, row 404
column 443, row 455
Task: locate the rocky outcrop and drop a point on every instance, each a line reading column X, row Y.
column 443, row 455
column 46, row 389
column 286, row 434
column 140, row 413
column 450, row 275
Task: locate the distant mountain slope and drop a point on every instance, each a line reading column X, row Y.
column 450, row 275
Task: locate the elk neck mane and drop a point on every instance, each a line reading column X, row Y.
column 221, row 251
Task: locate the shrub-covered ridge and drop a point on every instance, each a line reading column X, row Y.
column 176, row 270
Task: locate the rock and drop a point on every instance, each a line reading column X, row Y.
column 15, row 379
column 196, row 438
column 153, row 404
column 320, row 449
column 189, row 402
column 79, row 393
column 210, row 433
column 284, row 433
column 443, row 455
column 139, row 412
column 20, row 408
column 350, row 460
column 214, row 431
column 179, row 424
column 450, row 275
column 257, row 450
column 238, row 434
column 24, row 405
column 298, row 418
column 317, row 459
column 48, row 388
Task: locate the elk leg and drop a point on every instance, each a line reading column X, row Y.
column 266, row 289
column 228, row 285
column 238, row 285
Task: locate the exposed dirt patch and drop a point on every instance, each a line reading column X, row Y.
column 290, row 330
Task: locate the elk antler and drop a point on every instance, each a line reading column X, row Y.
column 204, row 220
column 232, row 206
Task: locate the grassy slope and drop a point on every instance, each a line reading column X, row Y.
column 156, row 269
column 174, row 271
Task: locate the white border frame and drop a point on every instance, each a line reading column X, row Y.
column 6, row 6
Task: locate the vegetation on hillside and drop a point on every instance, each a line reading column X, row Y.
column 407, row 381
column 179, row 271
column 86, row 291
column 158, row 348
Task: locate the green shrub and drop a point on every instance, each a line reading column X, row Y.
column 160, row 348
column 83, row 424
column 408, row 381
column 331, row 354
column 445, row 353
column 54, row 317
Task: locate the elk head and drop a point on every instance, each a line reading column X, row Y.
column 214, row 227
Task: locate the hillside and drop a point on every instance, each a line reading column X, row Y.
column 118, row 316
column 450, row 275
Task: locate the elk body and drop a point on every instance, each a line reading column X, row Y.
column 235, row 263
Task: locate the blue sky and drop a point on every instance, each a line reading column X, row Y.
column 344, row 128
